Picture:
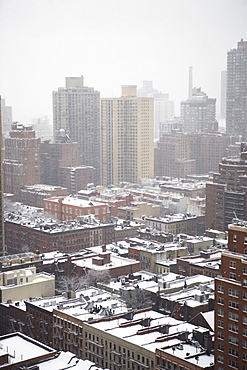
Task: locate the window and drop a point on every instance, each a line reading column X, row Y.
column 245, row 270
column 232, row 275
column 232, row 340
column 233, row 328
column 233, row 316
column 220, row 324
column 245, row 283
column 220, row 300
column 233, row 304
column 221, row 288
column 233, row 352
column 233, row 364
column 244, row 320
column 234, row 238
column 220, row 312
column 244, row 344
column 220, row 335
column 220, row 358
column 244, row 295
column 232, row 264
column 244, row 332
column 233, row 292
column 220, row 347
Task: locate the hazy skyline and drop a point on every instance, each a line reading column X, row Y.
column 113, row 43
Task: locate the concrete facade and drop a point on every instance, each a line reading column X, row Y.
column 24, row 283
column 127, row 137
column 76, row 111
column 236, row 90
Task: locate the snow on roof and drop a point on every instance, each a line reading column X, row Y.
column 69, row 200
column 116, row 261
column 70, row 359
column 209, row 317
column 190, row 353
column 148, row 339
column 89, row 303
column 22, row 348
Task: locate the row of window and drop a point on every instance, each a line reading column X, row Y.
column 231, row 363
column 232, row 328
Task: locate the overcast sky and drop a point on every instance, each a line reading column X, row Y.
column 113, row 43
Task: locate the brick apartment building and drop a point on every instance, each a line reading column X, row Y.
column 48, row 236
column 69, row 208
column 34, row 195
column 22, row 159
column 76, row 178
column 231, row 302
column 57, row 155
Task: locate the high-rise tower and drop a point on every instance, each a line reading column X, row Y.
column 163, row 107
column 127, row 137
column 236, row 91
column 198, row 112
column 76, row 110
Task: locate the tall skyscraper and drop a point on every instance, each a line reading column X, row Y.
column 76, row 109
column 198, row 112
column 163, row 107
column 223, row 96
column 236, row 91
column 127, row 137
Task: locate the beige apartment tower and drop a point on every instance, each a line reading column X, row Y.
column 127, row 125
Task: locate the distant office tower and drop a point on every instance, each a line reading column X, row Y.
column 198, row 113
column 163, row 107
column 236, row 91
column 76, row 109
column 180, row 154
column 127, row 137
column 22, row 159
column 57, row 155
column 42, row 128
column 223, row 96
column 147, row 90
column 173, row 156
column 163, row 112
column 231, row 302
column 2, row 239
column 6, row 117
column 170, row 126
column 226, row 196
